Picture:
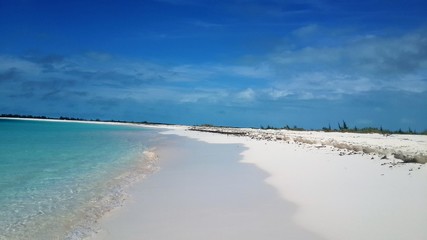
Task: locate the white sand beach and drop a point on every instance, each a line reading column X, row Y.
column 295, row 185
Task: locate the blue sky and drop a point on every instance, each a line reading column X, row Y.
column 239, row 62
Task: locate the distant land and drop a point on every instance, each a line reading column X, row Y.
column 342, row 126
column 76, row 119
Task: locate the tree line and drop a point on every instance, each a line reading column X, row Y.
column 343, row 127
column 74, row 119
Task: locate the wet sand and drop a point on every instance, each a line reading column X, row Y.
column 203, row 191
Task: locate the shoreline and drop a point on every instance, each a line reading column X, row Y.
column 324, row 191
column 203, row 191
column 76, row 201
column 337, row 196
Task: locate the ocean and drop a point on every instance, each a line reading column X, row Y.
column 58, row 178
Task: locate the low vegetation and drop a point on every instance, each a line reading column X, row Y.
column 342, row 126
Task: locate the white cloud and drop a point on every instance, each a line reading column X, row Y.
column 204, row 95
column 21, row 65
column 306, row 31
column 275, row 93
column 410, row 83
column 358, row 65
column 246, row 95
column 189, row 73
column 261, row 71
column 362, row 65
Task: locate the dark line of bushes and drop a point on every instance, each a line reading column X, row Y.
column 343, row 127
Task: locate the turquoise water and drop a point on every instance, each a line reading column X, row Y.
column 58, row 178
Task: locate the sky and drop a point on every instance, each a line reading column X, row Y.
column 246, row 63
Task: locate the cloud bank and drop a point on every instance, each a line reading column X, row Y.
column 359, row 66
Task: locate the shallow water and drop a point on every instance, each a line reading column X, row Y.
column 58, row 178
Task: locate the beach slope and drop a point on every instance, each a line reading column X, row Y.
column 278, row 185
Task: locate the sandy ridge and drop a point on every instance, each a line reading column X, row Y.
column 398, row 148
